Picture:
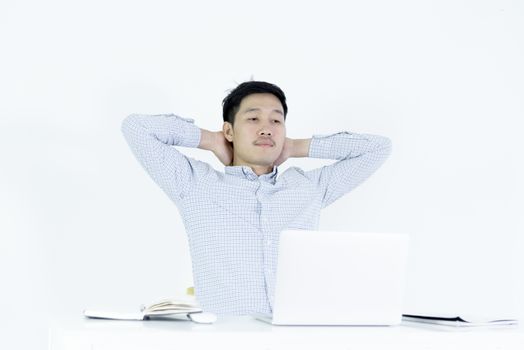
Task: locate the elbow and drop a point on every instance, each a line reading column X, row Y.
column 388, row 145
column 384, row 145
column 129, row 124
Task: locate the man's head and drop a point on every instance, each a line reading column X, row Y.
column 231, row 103
column 254, row 122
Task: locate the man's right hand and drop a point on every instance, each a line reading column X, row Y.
column 223, row 148
column 218, row 144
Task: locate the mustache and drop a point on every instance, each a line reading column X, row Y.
column 264, row 141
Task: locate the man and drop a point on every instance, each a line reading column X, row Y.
column 233, row 219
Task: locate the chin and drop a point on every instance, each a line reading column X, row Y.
column 265, row 162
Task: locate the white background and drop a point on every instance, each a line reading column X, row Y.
column 81, row 224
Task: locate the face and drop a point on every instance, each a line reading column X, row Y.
column 259, row 131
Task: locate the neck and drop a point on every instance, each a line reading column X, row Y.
column 257, row 169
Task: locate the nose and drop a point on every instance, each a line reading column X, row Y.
column 265, row 130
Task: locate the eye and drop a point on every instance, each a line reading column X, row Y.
column 276, row 121
column 252, row 118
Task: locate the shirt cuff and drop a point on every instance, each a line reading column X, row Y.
column 190, row 133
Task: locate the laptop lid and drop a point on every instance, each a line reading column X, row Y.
column 340, row 278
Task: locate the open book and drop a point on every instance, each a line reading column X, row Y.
column 458, row 321
column 168, row 307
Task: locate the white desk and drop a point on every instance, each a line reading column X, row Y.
column 248, row 333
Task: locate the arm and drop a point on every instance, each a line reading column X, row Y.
column 151, row 139
column 293, row 148
column 218, row 144
column 358, row 155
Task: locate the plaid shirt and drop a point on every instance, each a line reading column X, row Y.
column 233, row 219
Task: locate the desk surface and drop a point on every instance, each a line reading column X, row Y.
column 248, row 333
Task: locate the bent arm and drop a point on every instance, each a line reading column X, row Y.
column 151, row 139
column 358, row 155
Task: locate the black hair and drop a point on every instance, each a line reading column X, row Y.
column 231, row 102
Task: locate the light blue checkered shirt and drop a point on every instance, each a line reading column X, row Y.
column 233, row 219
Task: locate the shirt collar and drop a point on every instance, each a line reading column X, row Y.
column 248, row 173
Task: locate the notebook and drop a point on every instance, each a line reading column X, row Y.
column 339, row 278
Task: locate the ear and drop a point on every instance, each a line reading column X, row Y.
column 227, row 128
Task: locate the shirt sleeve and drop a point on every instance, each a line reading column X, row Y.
column 151, row 139
column 358, row 157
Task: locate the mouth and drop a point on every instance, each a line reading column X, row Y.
column 264, row 143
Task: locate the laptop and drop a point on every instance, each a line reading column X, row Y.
column 339, row 278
